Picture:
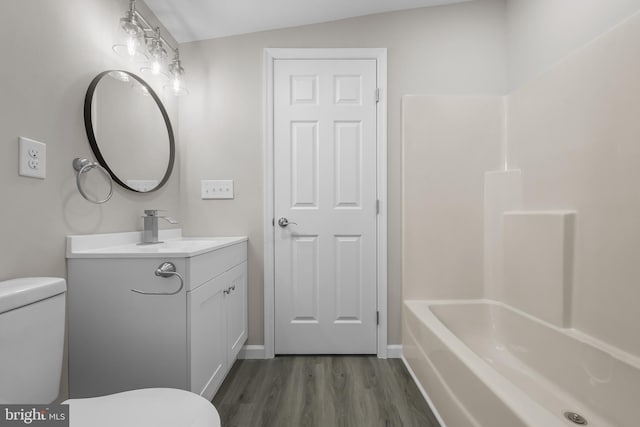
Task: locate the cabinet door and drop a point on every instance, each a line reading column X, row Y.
column 236, row 307
column 208, row 337
column 121, row 340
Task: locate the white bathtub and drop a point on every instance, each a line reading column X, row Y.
column 485, row 364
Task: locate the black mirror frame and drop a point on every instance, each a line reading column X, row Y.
column 88, row 125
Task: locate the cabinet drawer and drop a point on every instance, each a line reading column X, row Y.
column 211, row 264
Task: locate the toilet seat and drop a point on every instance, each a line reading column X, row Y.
column 151, row 407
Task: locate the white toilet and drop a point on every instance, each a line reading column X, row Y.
column 32, row 319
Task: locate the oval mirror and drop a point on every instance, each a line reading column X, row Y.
column 129, row 130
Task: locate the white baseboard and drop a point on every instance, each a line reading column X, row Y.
column 252, row 352
column 423, row 392
column 394, row 351
column 257, row 352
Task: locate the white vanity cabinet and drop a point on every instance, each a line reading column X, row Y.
column 221, row 301
column 122, row 340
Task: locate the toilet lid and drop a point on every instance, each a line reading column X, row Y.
column 152, row 407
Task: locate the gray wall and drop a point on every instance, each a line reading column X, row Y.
column 443, row 197
column 50, row 52
column 458, row 49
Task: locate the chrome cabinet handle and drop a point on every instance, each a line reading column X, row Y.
column 166, row 269
column 283, row 222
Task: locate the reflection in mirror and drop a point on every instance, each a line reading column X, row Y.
column 129, row 130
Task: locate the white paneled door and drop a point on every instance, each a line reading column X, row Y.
column 325, row 206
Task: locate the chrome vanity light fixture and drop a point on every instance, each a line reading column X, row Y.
column 130, row 26
column 176, row 75
column 157, row 51
column 157, row 54
column 134, row 35
column 146, row 43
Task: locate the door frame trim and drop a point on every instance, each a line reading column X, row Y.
column 380, row 56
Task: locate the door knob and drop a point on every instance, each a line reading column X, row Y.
column 283, row 222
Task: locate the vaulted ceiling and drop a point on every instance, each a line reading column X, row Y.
column 190, row 20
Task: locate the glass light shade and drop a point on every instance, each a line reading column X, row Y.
column 134, row 33
column 132, row 45
column 130, row 26
column 176, row 86
column 157, row 52
column 155, row 66
column 133, row 48
column 148, row 71
column 175, row 67
column 124, row 50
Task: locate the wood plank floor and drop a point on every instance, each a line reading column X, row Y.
column 321, row 391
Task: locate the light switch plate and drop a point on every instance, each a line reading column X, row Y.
column 32, row 160
column 216, row 189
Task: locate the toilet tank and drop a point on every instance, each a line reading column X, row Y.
column 32, row 319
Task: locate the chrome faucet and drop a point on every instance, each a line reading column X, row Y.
column 150, row 232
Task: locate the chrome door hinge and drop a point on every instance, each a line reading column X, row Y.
column 377, row 95
column 377, row 207
column 377, row 317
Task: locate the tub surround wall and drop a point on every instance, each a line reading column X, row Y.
column 502, row 192
column 541, row 33
column 574, row 132
column 538, row 264
column 448, row 144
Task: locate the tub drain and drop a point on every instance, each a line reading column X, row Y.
column 576, row 418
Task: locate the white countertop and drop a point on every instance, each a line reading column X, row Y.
column 125, row 245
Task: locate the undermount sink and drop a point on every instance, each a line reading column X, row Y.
column 117, row 245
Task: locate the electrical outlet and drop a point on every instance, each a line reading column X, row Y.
column 33, row 158
column 216, row 189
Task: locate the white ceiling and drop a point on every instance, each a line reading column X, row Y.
column 190, row 20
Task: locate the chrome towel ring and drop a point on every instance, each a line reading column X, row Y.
column 166, row 269
column 85, row 165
